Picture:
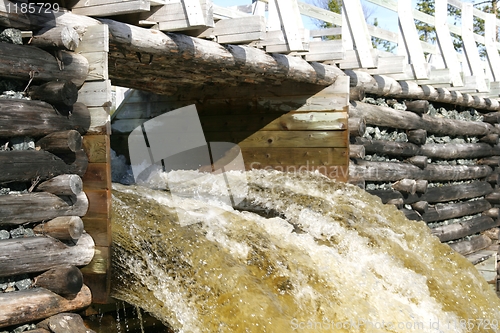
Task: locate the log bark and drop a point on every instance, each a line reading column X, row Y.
column 41, row 206
column 39, row 254
column 61, row 142
column 420, row 161
column 420, row 206
column 357, row 126
column 494, row 178
column 356, row 93
column 55, row 92
column 62, row 185
column 391, row 148
column 356, row 151
column 419, row 106
column 440, row 194
column 77, row 162
column 14, row 309
column 405, row 186
column 396, row 202
column 494, row 212
column 454, row 231
column 492, row 139
column 470, row 246
column 28, row 165
column 493, row 233
column 392, row 171
column 62, row 228
column 59, row 38
column 493, row 161
column 37, row 118
column 411, row 214
column 388, row 117
column 417, row 136
column 422, row 185
column 453, row 210
column 494, row 197
column 21, row 61
column 492, row 117
column 64, row 280
column 66, row 322
column 449, row 151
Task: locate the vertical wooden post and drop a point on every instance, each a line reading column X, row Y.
column 412, row 42
column 490, row 33
column 359, row 31
column 291, row 22
column 96, row 94
column 445, row 42
column 470, row 48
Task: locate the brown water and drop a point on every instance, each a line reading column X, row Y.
column 302, row 253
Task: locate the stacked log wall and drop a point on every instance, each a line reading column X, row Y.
column 433, row 166
column 55, row 198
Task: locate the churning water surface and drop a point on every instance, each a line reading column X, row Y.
column 298, row 253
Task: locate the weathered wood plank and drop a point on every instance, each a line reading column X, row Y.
column 295, row 156
column 283, row 139
column 95, row 93
column 97, row 148
column 99, row 204
column 95, row 39
column 110, row 9
column 97, row 177
column 466, row 228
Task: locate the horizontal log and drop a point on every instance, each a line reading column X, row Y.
column 386, row 86
column 494, row 212
column 41, row 206
column 420, row 206
column 440, row 194
column 77, row 162
column 66, row 322
column 62, row 228
column 449, row 151
column 470, row 246
column 462, row 229
column 55, row 92
column 493, row 234
column 411, row 214
column 356, row 151
column 422, row 185
column 62, row 185
column 419, row 106
column 356, row 93
column 21, row 61
column 420, row 161
column 28, row 165
column 390, row 148
column 58, row 38
column 61, row 142
column 37, row 118
column 492, row 117
column 405, row 186
column 494, row 197
column 443, row 212
column 357, row 127
column 417, row 136
column 39, row 254
column 35, row 304
column 493, row 161
column 393, row 171
column 492, row 139
column 388, row 117
column 63, row 280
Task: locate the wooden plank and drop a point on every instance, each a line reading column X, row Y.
column 110, row 9
column 99, row 204
column 101, row 262
column 99, row 121
column 325, row 50
column 95, row 93
column 97, row 177
column 95, row 39
column 295, row 156
column 490, row 36
column 241, row 38
column 194, row 12
column 294, row 121
column 411, row 40
column 100, row 285
column 221, row 13
column 291, row 23
column 340, row 173
column 359, row 32
column 98, row 66
column 175, row 13
column 99, row 229
column 470, row 47
column 240, row 25
column 445, row 42
column 319, row 13
column 283, row 139
column 97, row 148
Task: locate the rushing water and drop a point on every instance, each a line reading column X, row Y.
column 301, row 253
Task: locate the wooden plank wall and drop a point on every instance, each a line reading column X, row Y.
column 96, row 94
column 288, row 127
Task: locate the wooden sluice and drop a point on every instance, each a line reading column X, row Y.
column 293, row 99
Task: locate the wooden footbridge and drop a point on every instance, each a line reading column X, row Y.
column 259, row 77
